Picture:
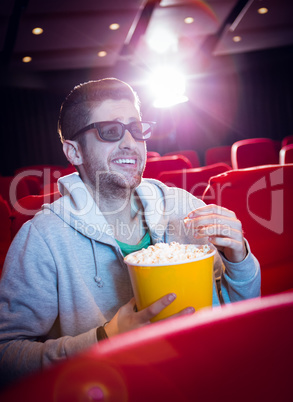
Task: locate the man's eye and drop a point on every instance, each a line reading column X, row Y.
column 136, row 128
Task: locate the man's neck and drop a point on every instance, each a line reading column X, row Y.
column 122, row 205
column 125, row 216
column 114, row 208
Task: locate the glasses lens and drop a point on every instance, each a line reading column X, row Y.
column 110, row 131
column 140, row 130
column 146, row 130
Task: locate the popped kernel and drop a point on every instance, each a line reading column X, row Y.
column 174, row 252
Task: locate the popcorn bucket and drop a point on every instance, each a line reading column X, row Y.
column 191, row 281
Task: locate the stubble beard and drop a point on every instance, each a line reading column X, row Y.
column 111, row 184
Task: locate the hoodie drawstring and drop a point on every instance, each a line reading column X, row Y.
column 97, row 277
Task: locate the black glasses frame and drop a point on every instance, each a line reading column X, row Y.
column 97, row 125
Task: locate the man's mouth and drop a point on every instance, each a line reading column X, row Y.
column 124, row 161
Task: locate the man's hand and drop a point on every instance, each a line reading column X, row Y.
column 127, row 318
column 221, row 227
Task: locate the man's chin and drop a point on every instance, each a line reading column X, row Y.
column 117, row 182
column 131, row 182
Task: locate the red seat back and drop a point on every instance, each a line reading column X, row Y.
column 44, row 175
column 254, row 152
column 193, row 180
column 286, row 154
column 153, row 154
column 221, row 154
column 5, row 230
column 190, row 154
column 12, row 189
column 241, row 352
column 262, row 199
column 287, row 140
column 27, row 207
column 155, row 166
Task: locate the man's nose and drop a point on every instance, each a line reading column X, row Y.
column 127, row 141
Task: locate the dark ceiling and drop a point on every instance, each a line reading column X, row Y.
column 74, row 31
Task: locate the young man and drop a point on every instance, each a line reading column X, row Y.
column 64, row 275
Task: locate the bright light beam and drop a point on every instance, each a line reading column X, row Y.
column 168, row 87
column 162, row 41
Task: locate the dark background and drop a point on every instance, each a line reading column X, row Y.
column 234, row 92
column 254, row 98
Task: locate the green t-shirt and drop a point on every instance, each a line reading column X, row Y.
column 127, row 248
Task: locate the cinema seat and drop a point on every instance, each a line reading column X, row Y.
column 286, row 154
column 153, row 154
column 45, row 175
column 254, row 152
column 287, row 140
column 5, row 230
column 262, row 199
column 12, row 189
column 220, row 154
column 193, row 180
column 240, row 352
column 27, row 207
column 155, row 166
column 189, row 154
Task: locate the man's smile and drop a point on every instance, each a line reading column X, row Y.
column 125, row 161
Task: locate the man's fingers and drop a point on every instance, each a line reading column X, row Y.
column 211, row 209
column 149, row 312
column 187, row 310
column 132, row 304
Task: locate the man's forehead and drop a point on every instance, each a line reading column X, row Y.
column 111, row 109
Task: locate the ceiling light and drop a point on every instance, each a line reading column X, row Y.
column 37, row 31
column 27, row 59
column 114, row 27
column 262, row 10
column 237, row 38
column 188, row 20
column 102, row 53
column 162, row 41
column 168, row 87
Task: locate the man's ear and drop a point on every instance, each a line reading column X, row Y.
column 72, row 152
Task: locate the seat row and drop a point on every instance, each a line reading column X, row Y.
column 240, row 352
column 261, row 197
column 242, row 154
column 181, row 168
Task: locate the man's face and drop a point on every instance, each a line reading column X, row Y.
column 112, row 166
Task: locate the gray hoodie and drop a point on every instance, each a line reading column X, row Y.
column 64, row 274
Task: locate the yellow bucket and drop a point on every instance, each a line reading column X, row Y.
column 191, row 281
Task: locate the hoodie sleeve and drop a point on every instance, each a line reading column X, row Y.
column 241, row 280
column 29, row 310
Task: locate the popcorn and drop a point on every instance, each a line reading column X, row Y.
column 162, row 253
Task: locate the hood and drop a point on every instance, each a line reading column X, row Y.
column 78, row 209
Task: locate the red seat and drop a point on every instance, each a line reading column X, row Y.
column 155, row 166
column 262, row 199
column 189, row 154
column 27, row 207
column 39, row 168
column 12, row 189
column 5, row 230
column 254, row 152
column 153, row 154
column 286, row 154
column 287, row 140
column 49, row 188
column 221, row 154
column 193, row 180
column 240, row 352
column 45, row 174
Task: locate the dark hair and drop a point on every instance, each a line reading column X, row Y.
column 76, row 109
